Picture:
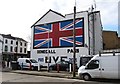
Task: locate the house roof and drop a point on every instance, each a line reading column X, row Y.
column 11, row 37
column 46, row 14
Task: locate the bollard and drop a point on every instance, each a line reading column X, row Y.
column 38, row 66
column 58, row 68
column 9, row 64
column 70, row 66
column 5, row 63
column 22, row 67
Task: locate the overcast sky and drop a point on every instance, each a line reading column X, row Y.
column 17, row 16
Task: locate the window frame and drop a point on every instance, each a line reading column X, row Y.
column 92, row 65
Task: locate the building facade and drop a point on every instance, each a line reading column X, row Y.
column 12, row 47
column 52, row 36
column 110, row 40
column 119, row 42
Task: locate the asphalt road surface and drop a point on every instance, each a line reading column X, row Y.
column 14, row 78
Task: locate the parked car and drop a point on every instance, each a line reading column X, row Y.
column 63, row 66
column 24, row 63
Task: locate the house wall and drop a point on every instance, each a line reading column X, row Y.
column 110, row 40
column 57, row 54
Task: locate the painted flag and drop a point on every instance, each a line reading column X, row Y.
column 58, row 34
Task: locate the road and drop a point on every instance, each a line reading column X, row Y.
column 32, row 79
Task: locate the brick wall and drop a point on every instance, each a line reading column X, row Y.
column 110, row 40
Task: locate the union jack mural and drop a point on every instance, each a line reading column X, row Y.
column 58, row 34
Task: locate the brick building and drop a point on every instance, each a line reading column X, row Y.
column 119, row 42
column 110, row 40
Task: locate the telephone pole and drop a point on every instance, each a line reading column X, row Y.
column 74, row 43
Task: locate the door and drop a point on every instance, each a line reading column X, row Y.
column 27, row 64
column 93, row 68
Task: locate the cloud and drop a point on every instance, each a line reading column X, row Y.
column 17, row 16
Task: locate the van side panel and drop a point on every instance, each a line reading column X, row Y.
column 119, row 66
column 109, row 67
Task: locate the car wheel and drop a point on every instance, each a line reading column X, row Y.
column 19, row 67
column 67, row 69
column 86, row 77
column 32, row 68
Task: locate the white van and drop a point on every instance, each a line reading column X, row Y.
column 25, row 63
column 101, row 66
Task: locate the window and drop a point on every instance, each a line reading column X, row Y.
column 11, row 42
column 6, row 48
column 6, row 41
column 94, row 64
column 25, row 44
column 21, row 43
column 11, row 49
column 24, row 50
column 33, row 61
column 27, row 61
column 21, row 50
column 16, row 49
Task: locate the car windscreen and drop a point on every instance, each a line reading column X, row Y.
column 33, row 61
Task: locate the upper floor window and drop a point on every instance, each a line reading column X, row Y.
column 11, row 42
column 24, row 50
column 21, row 43
column 6, row 48
column 21, row 50
column 11, row 49
column 16, row 49
column 16, row 42
column 25, row 44
column 6, row 41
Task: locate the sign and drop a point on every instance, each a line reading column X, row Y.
column 58, row 34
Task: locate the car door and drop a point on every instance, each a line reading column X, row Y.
column 27, row 64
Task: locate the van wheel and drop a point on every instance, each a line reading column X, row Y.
column 86, row 77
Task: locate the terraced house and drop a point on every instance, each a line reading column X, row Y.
column 12, row 47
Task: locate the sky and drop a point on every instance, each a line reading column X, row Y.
column 17, row 16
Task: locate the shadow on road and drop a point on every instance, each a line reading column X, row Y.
column 107, row 80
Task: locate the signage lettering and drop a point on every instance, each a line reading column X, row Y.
column 55, row 59
column 71, row 50
column 45, row 51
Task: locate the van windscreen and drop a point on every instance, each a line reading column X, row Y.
column 33, row 61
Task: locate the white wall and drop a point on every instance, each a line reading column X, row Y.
column 88, row 37
column 61, row 52
column 96, row 43
column 98, row 33
column 1, row 39
column 14, row 45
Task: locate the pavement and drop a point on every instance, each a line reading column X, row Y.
column 61, row 74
